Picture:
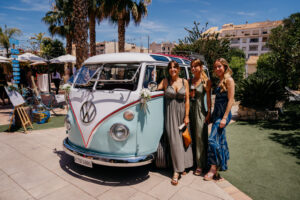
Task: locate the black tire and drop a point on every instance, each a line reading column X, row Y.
column 162, row 156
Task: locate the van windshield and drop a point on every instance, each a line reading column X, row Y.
column 109, row 76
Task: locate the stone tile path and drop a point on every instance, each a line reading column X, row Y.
column 34, row 166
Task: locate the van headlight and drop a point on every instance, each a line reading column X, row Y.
column 119, row 132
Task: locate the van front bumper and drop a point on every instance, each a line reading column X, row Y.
column 104, row 160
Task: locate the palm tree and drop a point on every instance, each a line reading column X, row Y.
column 94, row 12
column 121, row 12
column 7, row 34
column 80, row 15
column 60, row 21
column 36, row 40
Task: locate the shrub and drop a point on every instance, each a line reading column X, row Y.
column 260, row 92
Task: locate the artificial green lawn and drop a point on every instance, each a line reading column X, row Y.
column 55, row 122
column 265, row 157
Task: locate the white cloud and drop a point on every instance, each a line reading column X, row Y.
column 31, row 5
column 249, row 14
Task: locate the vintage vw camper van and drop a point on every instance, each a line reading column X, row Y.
column 106, row 123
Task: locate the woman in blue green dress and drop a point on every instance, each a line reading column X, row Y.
column 218, row 153
column 200, row 86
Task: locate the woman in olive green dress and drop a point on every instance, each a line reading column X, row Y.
column 200, row 85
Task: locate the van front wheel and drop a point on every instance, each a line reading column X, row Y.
column 162, row 158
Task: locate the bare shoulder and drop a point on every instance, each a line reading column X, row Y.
column 229, row 81
column 186, row 83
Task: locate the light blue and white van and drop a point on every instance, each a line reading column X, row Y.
column 106, row 124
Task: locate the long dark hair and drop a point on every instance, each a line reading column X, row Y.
column 176, row 65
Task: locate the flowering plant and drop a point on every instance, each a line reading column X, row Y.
column 145, row 96
column 66, row 87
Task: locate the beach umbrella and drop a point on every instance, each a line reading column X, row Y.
column 4, row 60
column 29, row 57
column 64, row 59
column 38, row 63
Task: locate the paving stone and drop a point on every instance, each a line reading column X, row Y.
column 223, row 184
column 68, row 193
column 187, row 193
column 164, row 190
column 32, row 177
column 17, row 164
column 90, row 185
column 40, row 154
column 15, row 193
column 6, row 149
column 143, row 196
column 6, row 183
column 47, row 187
column 231, row 190
column 188, row 178
column 240, row 196
column 148, row 184
column 210, row 187
column 118, row 193
column 22, row 144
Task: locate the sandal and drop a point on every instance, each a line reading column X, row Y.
column 175, row 178
column 210, row 175
column 198, row 171
column 183, row 173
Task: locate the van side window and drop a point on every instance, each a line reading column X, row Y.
column 182, row 73
column 156, row 74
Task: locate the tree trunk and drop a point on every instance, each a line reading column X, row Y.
column 81, row 30
column 7, row 55
column 69, row 44
column 121, row 35
column 92, row 27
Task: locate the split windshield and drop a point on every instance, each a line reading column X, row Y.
column 109, row 76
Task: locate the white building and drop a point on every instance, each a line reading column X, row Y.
column 251, row 38
column 164, row 47
column 112, row 47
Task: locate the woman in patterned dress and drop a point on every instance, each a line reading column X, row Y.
column 177, row 112
column 198, row 115
column 218, row 153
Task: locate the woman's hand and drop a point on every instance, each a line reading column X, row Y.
column 186, row 120
column 223, row 123
column 207, row 118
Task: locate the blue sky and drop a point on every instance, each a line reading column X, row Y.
column 166, row 19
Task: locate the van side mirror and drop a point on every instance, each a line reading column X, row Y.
column 152, row 86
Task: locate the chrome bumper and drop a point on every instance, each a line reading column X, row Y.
column 107, row 161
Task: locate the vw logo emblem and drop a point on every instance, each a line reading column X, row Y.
column 87, row 112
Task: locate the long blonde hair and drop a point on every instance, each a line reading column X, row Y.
column 227, row 73
column 198, row 62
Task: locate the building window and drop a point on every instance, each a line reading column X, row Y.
column 255, row 32
column 264, row 39
column 244, row 40
column 264, row 48
column 265, row 31
column 163, row 48
column 247, row 33
column 235, row 41
column 253, row 47
column 252, row 54
column 244, row 48
column 254, row 40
